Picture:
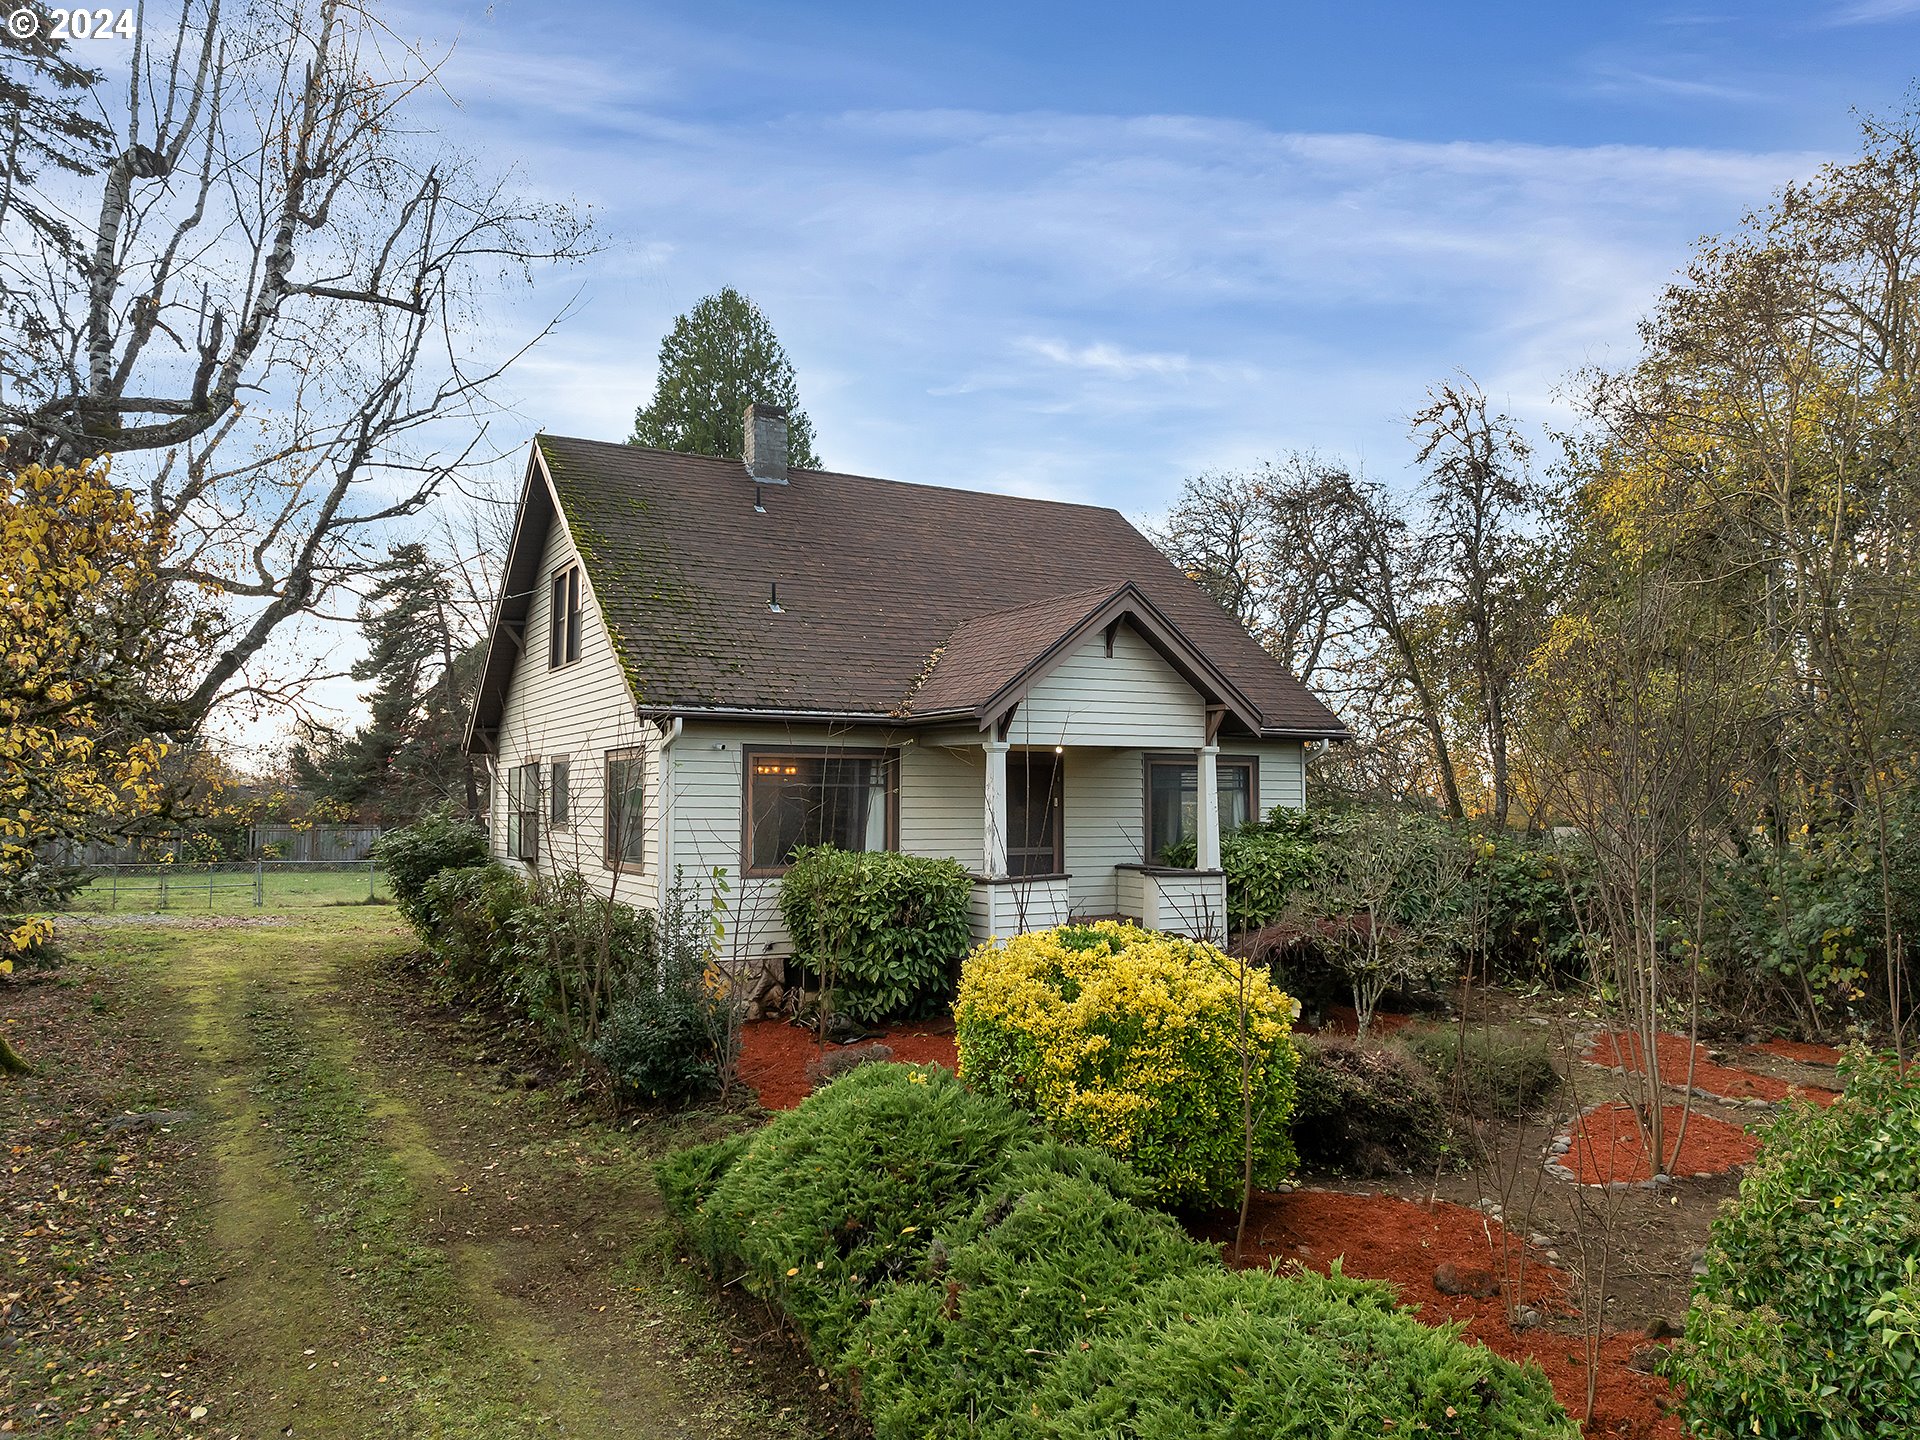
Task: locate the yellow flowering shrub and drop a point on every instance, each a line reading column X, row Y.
column 1132, row 1041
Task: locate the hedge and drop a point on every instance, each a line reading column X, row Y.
column 1131, row 1041
column 963, row 1276
column 883, row 929
column 1806, row 1322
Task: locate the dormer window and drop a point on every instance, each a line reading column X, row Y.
column 563, row 634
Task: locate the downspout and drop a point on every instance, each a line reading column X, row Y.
column 672, row 734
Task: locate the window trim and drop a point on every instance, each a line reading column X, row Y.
column 608, row 857
column 563, row 617
column 519, row 815
column 1184, row 759
column 887, row 754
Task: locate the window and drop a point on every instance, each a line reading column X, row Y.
column 523, row 811
column 1173, row 790
column 795, row 798
column 626, row 809
column 558, row 798
column 563, row 630
column 1033, row 813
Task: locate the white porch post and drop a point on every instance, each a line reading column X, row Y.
column 1208, row 825
column 994, row 858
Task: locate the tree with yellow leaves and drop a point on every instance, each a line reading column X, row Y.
column 89, row 635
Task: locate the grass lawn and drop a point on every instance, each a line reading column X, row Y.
column 259, row 1186
column 230, row 891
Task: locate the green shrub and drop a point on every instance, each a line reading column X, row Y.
column 414, row 854
column 963, row 1276
column 1045, row 1260
column 884, row 930
column 573, row 950
column 687, row 1178
column 843, row 1194
column 466, row 917
column 1365, row 1108
column 665, row 1037
column 1132, row 1042
column 1493, row 1071
column 1782, row 1339
column 1264, row 863
column 1306, row 1356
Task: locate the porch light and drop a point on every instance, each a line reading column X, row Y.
column 1059, row 749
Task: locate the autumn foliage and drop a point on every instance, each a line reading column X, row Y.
column 79, row 568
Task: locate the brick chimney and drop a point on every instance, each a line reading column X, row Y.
column 766, row 452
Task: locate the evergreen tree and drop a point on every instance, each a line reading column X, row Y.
column 407, row 758
column 720, row 357
column 45, row 97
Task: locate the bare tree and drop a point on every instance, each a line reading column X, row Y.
column 1480, row 497
column 274, row 312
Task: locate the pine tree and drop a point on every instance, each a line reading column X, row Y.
column 720, row 357
column 45, row 97
column 408, row 756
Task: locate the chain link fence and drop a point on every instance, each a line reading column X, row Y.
column 231, row 886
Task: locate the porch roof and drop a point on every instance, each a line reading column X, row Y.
column 988, row 664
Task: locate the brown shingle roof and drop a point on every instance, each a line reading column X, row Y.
column 874, row 577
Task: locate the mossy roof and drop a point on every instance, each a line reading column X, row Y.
column 877, row 581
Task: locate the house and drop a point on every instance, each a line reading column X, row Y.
column 697, row 664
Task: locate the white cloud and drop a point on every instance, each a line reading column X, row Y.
column 1875, row 12
column 1078, row 306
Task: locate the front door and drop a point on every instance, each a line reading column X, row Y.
column 1034, row 832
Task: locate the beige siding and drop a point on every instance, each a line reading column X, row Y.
column 1282, row 773
column 943, row 803
column 577, row 712
column 1129, row 698
column 706, row 775
column 1105, row 809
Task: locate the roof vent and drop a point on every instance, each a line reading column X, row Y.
column 766, row 444
column 773, row 598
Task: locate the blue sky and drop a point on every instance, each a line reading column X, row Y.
column 1082, row 251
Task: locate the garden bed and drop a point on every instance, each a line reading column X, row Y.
column 1379, row 1236
column 1620, row 1050
column 1608, row 1148
column 774, row 1055
column 1801, row 1052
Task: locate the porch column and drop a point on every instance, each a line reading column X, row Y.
column 1207, row 828
column 994, row 858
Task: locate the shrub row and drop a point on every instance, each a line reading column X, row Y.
column 582, row 976
column 1133, row 1041
column 964, row 1277
column 1517, row 887
column 1806, row 1322
column 882, row 933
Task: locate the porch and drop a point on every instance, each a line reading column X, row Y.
column 1035, row 858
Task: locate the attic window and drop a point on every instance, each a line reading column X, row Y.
column 563, row 632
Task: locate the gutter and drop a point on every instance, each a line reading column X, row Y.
column 665, row 840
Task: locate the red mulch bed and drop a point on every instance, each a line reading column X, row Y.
column 1380, row 1237
column 1345, row 1020
column 1803, row 1051
column 774, row 1055
column 1721, row 1080
column 1608, row 1145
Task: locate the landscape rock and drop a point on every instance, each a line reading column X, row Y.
column 835, row 1063
column 1451, row 1279
column 1646, row 1358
